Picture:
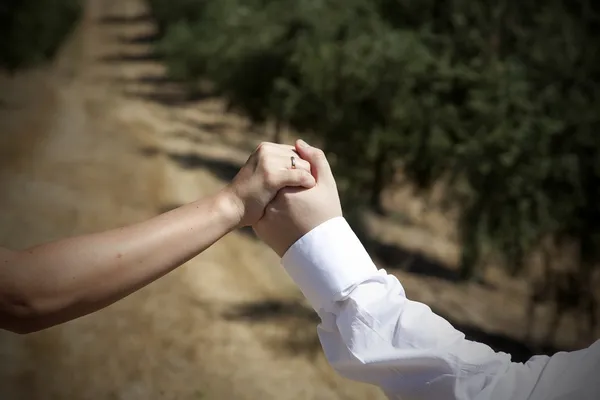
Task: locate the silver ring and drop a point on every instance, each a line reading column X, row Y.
column 293, row 162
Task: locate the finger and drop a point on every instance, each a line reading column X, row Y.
column 278, row 172
column 299, row 163
column 289, row 190
column 274, row 148
column 285, row 192
column 266, row 153
column 316, row 158
column 288, row 160
column 296, row 178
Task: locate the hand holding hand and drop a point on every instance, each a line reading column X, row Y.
column 296, row 211
column 267, row 170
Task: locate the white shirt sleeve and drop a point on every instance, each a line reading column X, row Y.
column 371, row 332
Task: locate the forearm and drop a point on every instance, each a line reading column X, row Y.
column 63, row 280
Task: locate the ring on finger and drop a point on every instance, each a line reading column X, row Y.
column 293, row 159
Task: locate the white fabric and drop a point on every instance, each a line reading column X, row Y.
column 371, row 332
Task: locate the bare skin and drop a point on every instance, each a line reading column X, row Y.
column 59, row 281
column 296, row 211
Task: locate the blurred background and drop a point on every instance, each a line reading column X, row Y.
column 463, row 135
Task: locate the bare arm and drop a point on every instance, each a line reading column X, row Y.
column 63, row 280
column 59, row 281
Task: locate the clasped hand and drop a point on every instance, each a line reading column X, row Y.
column 281, row 203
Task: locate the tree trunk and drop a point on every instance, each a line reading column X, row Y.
column 379, row 168
column 539, row 289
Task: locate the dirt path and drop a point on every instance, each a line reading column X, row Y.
column 102, row 138
column 94, row 142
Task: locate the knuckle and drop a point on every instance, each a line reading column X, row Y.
column 319, row 153
column 265, row 152
column 261, row 148
column 301, row 175
column 306, row 166
column 309, row 180
column 270, row 177
column 298, row 175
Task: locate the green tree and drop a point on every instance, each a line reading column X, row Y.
column 499, row 99
column 32, row 31
column 244, row 48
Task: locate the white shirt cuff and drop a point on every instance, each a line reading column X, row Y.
column 327, row 262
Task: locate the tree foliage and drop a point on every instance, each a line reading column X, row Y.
column 32, row 31
column 502, row 99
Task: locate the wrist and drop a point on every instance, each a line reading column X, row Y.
column 303, row 230
column 230, row 207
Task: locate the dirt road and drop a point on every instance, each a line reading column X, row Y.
column 94, row 142
column 101, row 138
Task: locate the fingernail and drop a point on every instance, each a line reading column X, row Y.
column 302, row 143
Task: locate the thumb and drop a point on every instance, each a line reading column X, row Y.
column 318, row 162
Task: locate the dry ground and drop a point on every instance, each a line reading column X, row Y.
column 100, row 139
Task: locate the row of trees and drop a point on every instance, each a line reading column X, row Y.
column 31, row 31
column 499, row 99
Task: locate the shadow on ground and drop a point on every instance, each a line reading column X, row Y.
column 299, row 324
column 218, row 127
column 222, row 169
column 141, row 49
column 171, row 98
column 144, row 38
column 518, row 349
column 154, row 79
column 120, row 19
column 392, row 256
column 271, row 310
column 124, row 57
column 6, row 105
